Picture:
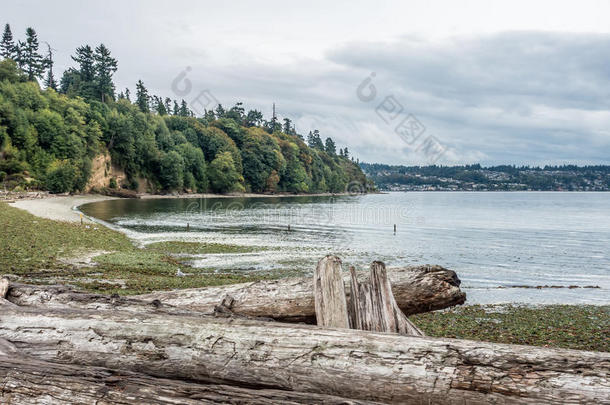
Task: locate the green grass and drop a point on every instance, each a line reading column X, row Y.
column 31, row 249
column 30, row 243
column 583, row 327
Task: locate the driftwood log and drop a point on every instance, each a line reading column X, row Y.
column 373, row 307
column 416, row 289
column 330, row 302
column 370, row 305
column 304, row 358
column 24, row 380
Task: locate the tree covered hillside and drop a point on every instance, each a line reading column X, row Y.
column 49, row 136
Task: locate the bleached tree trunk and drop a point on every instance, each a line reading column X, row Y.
column 24, row 380
column 416, row 289
column 303, row 358
column 329, row 294
column 371, row 302
column 372, row 305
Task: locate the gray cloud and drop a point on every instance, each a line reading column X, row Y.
column 522, row 96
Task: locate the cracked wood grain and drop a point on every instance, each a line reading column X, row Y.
column 346, row 363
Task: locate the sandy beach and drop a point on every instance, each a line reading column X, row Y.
column 59, row 208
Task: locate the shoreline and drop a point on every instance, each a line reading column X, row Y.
column 59, row 208
column 103, row 261
column 65, row 207
column 147, row 196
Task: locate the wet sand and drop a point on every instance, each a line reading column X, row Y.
column 59, row 208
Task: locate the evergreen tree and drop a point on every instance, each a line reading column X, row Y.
column 85, row 85
column 30, row 59
column 159, row 106
column 142, row 97
column 184, row 110
column 287, row 126
column 330, row 146
column 220, row 112
column 209, row 115
column 105, row 66
column 254, row 118
column 168, row 105
column 70, row 82
column 345, row 152
column 236, row 112
column 127, row 94
column 19, row 51
column 85, row 59
column 50, row 81
column 314, row 140
column 176, row 109
column 7, row 46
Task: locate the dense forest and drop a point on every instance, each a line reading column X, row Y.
column 51, row 131
column 476, row 177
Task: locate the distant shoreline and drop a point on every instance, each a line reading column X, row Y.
column 491, row 191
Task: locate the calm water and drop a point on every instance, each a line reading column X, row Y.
column 490, row 239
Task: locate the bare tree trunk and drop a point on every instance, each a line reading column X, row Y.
column 24, row 380
column 416, row 289
column 303, row 358
column 372, row 305
column 66, row 297
column 329, row 294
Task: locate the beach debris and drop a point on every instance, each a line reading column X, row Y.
column 370, row 305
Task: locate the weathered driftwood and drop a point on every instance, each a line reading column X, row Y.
column 4, row 283
column 416, row 289
column 329, row 294
column 4, row 287
column 24, row 380
column 66, row 297
column 372, row 305
column 305, row 358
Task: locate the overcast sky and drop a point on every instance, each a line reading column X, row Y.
column 495, row 82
